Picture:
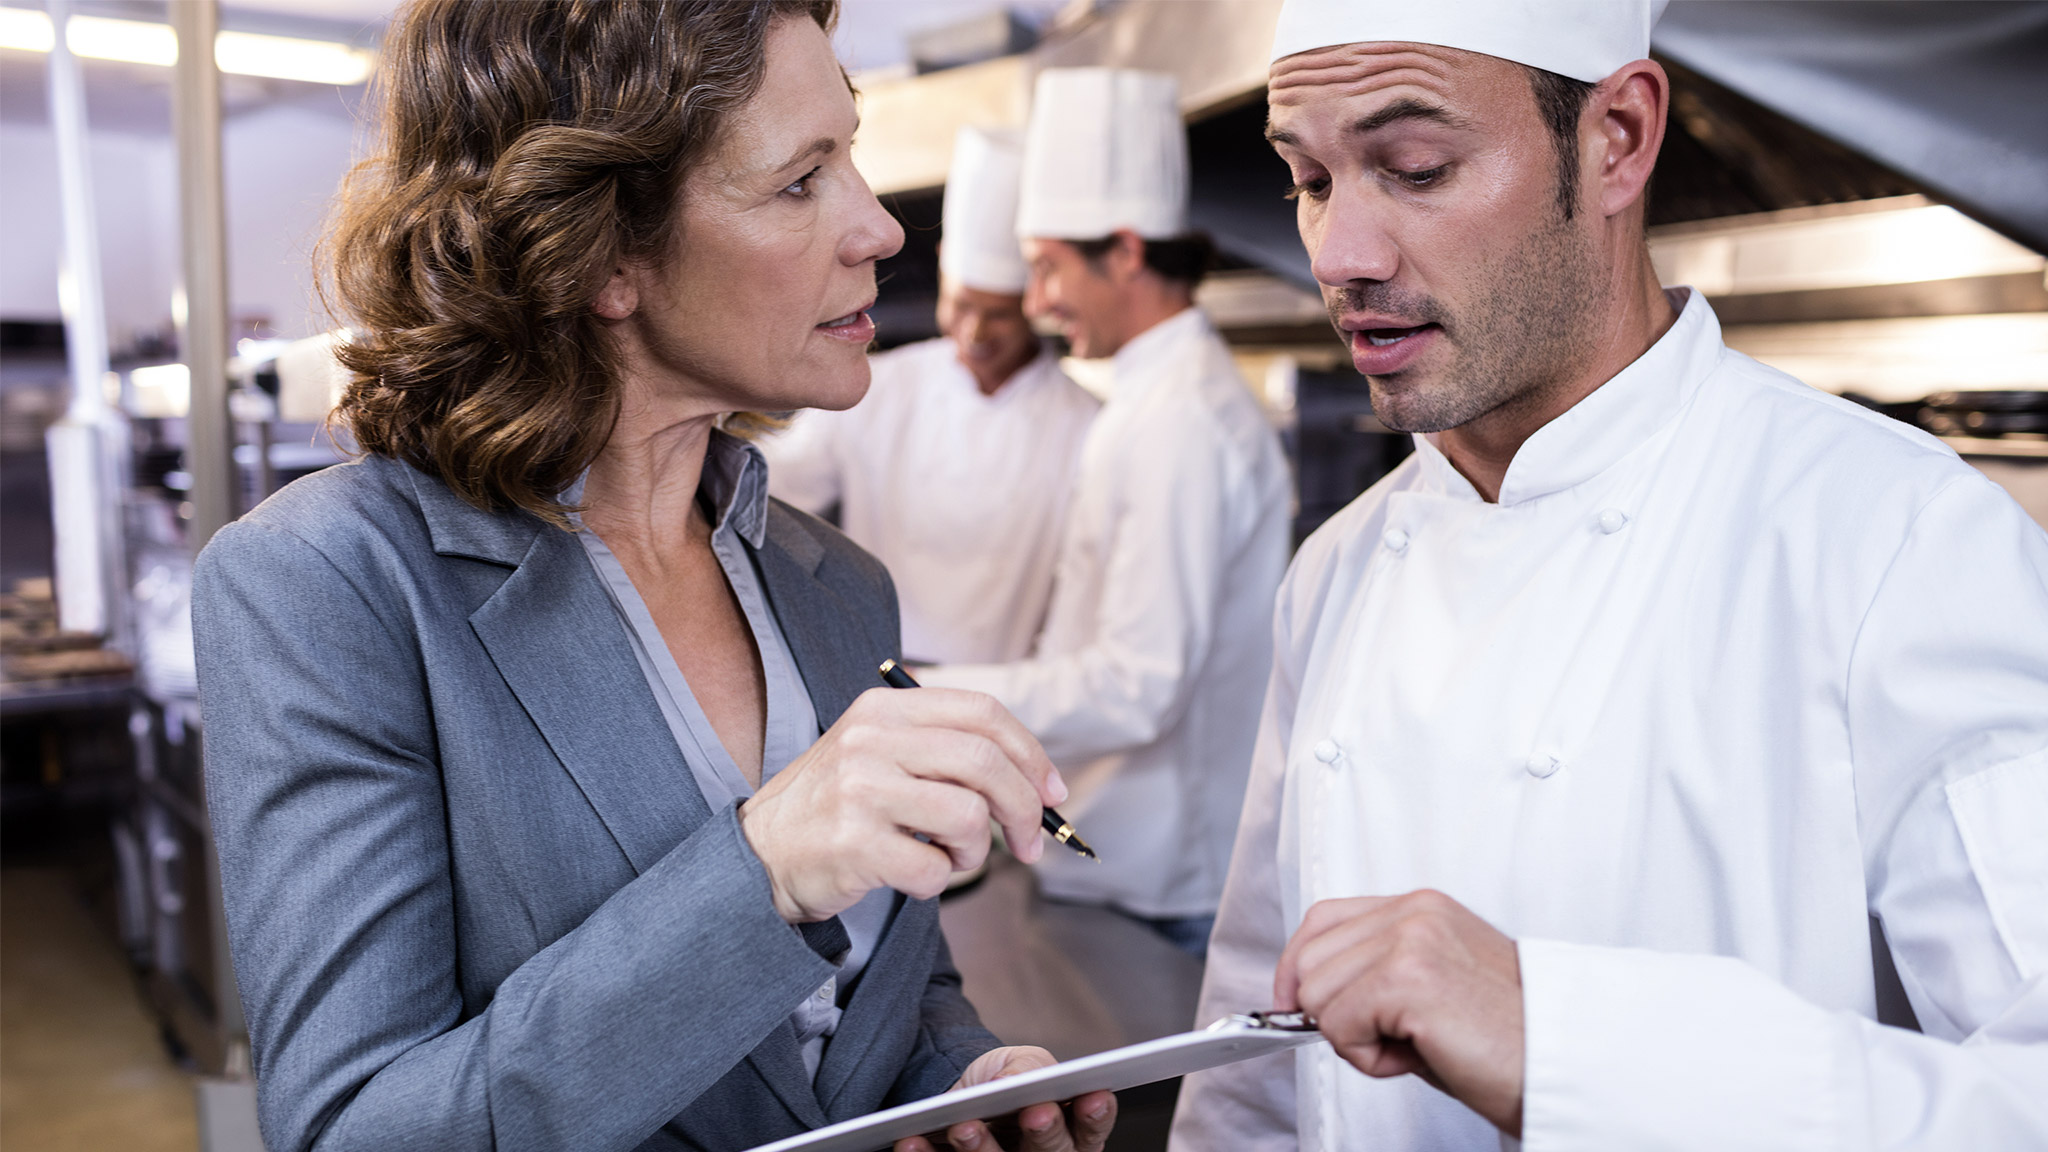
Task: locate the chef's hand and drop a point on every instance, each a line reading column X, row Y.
column 1041, row 1127
column 843, row 818
column 1413, row 983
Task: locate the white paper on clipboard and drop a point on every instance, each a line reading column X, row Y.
column 1227, row 1042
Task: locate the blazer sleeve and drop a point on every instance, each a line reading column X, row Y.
column 326, row 798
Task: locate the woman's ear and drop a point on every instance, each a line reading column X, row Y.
column 619, row 298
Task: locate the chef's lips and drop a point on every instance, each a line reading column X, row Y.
column 1385, row 318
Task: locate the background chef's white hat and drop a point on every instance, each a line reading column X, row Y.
column 1105, row 150
column 978, row 230
column 1584, row 39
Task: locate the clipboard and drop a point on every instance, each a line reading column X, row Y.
column 1227, row 1041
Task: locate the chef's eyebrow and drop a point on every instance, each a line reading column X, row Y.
column 1406, row 108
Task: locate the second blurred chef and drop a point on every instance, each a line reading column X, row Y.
column 1145, row 682
column 956, row 467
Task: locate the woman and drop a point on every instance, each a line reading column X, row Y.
column 495, row 714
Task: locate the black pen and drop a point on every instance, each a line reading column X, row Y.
column 894, row 675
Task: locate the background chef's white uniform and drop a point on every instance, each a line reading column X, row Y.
column 1731, row 664
column 1147, row 678
column 961, row 495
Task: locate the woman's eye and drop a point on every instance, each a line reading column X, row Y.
column 801, row 186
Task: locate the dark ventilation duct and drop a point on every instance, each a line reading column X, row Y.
column 1948, row 94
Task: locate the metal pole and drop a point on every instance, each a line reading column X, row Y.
column 87, row 447
column 202, row 212
column 210, row 438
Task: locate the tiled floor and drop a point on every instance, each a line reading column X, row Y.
column 81, row 1066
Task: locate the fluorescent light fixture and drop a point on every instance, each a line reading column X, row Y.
column 161, row 391
column 139, row 42
column 289, row 58
column 1895, row 360
column 1901, row 241
column 27, row 30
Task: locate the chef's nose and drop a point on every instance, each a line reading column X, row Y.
column 1353, row 242
column 1034, row 295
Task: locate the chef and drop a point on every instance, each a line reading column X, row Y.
column 1145, row 683
column 1599, row 730
column 956, row 468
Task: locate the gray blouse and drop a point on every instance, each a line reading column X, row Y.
column 734, row 489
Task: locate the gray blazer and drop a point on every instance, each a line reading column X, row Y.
column 475, row 898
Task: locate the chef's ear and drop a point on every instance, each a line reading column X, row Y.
column 620, row 296
column 1126, row 258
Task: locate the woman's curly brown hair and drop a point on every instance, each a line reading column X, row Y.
column 525, row 149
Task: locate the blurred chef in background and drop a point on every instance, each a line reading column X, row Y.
column 1145, row 682
column 955, row 469
column 1601, row 728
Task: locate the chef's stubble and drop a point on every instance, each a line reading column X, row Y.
column 1525, row 331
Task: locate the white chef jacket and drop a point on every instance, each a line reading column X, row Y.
column 1145, row 686
column 961, row 495
column 1730, row 666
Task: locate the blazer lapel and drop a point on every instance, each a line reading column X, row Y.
column 556, row 639
column 779, row 1060
column 833, row 641
column 891, row 989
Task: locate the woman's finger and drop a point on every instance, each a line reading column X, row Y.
column 1094, row 1116
column 973, row 762
column 972, row 1136
column 972, row 712
column 917, row 869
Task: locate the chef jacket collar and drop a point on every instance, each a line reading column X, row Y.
column 1606, row 425
column 734, row 483
column 1154, row 344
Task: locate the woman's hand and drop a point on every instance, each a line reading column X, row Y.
column 1041, row 1127
column 846, row 816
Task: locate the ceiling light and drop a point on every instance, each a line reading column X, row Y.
column 138, row 42
column 289, row 58
column 1900, row 241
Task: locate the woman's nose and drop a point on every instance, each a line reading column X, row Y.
column 875, row 234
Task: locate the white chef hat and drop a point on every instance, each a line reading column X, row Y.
column 1583, row 39
column 978, row 236
column 1105, row 150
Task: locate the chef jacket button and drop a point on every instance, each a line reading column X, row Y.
column 1396, row 540
column 1613, row 520
column 1326, row 751
column 1543, row 765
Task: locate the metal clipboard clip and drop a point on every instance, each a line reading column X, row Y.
column 1270, row 1021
